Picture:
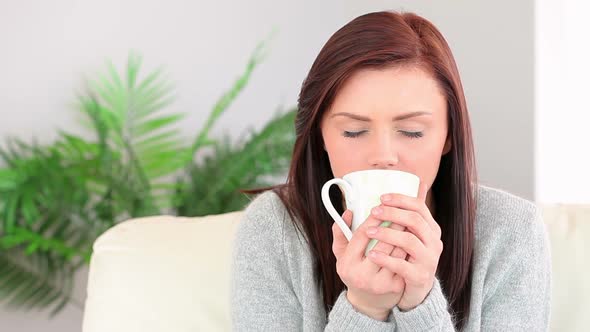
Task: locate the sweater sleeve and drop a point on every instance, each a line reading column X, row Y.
column 262, row 295
column 343, row 317
column 431, row 315
column 518, row 294
column 521, row 300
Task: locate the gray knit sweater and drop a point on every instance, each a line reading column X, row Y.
column 273, row 287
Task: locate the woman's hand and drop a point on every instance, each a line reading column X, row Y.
column 421, row 241
column 371, row 290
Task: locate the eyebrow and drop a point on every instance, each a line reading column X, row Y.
column 397, row 118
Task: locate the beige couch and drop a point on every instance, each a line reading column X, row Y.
column 172, row 274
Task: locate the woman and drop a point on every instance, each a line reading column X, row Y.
column 385, row 93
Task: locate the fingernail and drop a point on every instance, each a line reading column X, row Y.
column 374, row 253
column 377, row 211
column 372, row 230
column 386, row 198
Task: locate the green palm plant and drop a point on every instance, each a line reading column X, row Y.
column 212, row 185
column 56, row 199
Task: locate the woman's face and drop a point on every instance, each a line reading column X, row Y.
column 394, row 118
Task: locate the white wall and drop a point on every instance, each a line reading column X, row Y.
column 562, row 106
column 48, row 46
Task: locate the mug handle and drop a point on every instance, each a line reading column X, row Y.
column 348, row 192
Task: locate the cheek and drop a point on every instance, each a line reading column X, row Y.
column 342, row 161
column 424, row 160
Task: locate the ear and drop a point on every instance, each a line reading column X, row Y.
column 447, row 146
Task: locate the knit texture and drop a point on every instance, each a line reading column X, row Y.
column 273, row 287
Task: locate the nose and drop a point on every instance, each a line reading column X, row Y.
column 383, row 154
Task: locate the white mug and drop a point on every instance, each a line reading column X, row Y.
column 362, row 192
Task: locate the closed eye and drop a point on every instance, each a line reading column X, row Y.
column 353, row 134
column 410, row 134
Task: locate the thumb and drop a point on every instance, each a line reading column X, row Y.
column 340, row 240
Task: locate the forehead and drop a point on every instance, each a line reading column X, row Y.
column 393, row 89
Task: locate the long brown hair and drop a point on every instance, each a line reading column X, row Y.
column 379, row 40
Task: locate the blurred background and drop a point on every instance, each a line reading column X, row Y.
column 524, row 66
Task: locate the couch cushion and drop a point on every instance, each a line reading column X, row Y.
column 569, row 233
column 161, row 274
